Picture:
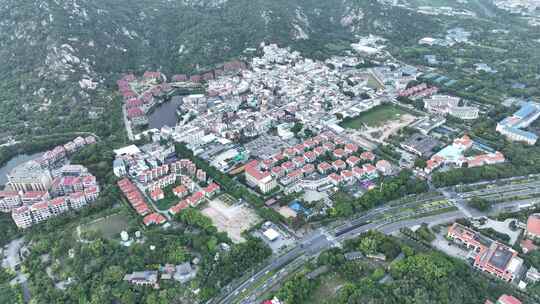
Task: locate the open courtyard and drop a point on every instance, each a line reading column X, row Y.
column 232, row 219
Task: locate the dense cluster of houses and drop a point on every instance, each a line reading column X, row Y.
column 60, row 153
column 72, row 189
column 454, row 155
column 418, row 91
column 228, row 67
column 154, row 169
column 334, row 160
column 279, row 88
column 140, row 94
column 45, row 187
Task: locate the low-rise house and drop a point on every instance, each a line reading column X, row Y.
column 154, row 219
column 180, row 191
column 339, row 153
column 319, row 151
column 184, row 273
column 348, row 176
column 324, row 168
column 505, row 299
column 533, row 275
column 174, row 210
column 370, row 170
column 299, row 161
column 335, row 179
column 157, row 194
column 289, row 152
column 196, row 198
column 352, row 161
column 367, row 156
column 142, row 278
column 293, row 177
column 384, row 167
column 351, row 148
column 353, row 255
column 310, row 156
column 308, row 169
column 339, row 165
column 211, row 190
column 287, row 166
column 278, row 172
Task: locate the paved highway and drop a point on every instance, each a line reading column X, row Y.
column 387, row 219
column 321, row 240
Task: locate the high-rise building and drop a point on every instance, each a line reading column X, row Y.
column 29, row 176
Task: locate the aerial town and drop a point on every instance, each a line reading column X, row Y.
column 284, row 176
column 48, row 186
column 288, row 126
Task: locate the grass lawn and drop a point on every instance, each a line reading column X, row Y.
column 169, row 200
column 373, row 117
column 330, row 284
column 110, row 226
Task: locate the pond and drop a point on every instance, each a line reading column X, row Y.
column 164, row 114
column 14, row 162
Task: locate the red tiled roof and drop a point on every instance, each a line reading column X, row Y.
column 338, row 163
column 287, row 165
column 180, row 189
column 154, row 218
column 33, row 194
column 211, row 188
column 134, row 112
column 353, row 160
column 40, row 205
column 335, row 177
column 295, row 173
column 277, row 170
column 58, row 201
column 179, row 207
column 367, row 156
column 256, row 173
column 308, row 168
column 533, row 224
column 369, row 168
column 506, row 299
column 324, row 166
column 339, row 152
column 346, row 173
column 8, row 194
column 351, row 147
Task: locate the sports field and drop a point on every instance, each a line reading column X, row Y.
column 110, row 226
column 374, row 117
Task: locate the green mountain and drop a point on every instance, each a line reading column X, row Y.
column 59, row 58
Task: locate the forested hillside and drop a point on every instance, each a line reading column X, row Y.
column 59, row 59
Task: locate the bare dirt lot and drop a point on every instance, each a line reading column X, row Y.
column 232, row 219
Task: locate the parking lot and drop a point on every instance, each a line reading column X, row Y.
column 277, row 245
column 442, row 244
column 267, row 145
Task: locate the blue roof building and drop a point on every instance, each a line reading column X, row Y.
column 524, row 117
